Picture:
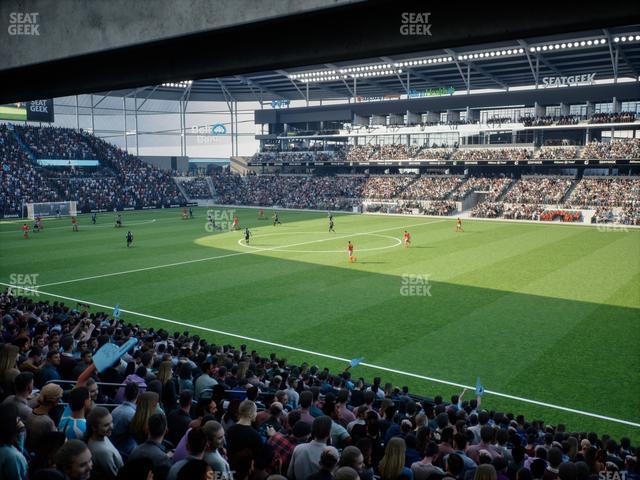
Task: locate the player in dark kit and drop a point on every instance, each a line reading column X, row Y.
column 247, row 235
column 331, row 225
column 129, row 238
column 93, row 218
column 276, row 219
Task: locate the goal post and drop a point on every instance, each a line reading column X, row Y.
column 51, row 209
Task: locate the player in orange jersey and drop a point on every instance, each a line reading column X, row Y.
column 352, row 258
column 406, row 239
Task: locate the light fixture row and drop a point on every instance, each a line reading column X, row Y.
column 182, row 84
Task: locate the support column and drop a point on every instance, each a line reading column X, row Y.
column 565, row 108
column 77, row 115
column 539, row 110
column 590, row 109
column 124, row 122
column 135, row 111
column 432, row 117
column 412, row 118
column 615, row 107
column 473, row 115
column 93, row 127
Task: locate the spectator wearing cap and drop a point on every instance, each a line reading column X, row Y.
column 23, row 385
column 39, row 421
column 306, row 457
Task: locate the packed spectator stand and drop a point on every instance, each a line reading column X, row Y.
column 181, row 407
column 121, row 180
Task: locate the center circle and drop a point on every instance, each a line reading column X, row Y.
column 284, row 248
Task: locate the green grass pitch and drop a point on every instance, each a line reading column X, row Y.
column 544, row 312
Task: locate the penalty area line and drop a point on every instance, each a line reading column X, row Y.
column 334, row 357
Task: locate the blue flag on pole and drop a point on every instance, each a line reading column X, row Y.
column 116, row 311
column 479, row 388
column 355, row 362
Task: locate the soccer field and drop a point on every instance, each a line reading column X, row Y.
column 549, row 313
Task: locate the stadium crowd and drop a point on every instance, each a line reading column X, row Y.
column 476, row 154
column 538, row 190
column 615, row 149
column 613, row 117
column 91, row 193
column 123, row 180
column 494, row 186
column 56, row 142
column 21, row 181
column 606, row 192
column 175, row 406
column 556, row 153
column 432, row 188
column 196, row 188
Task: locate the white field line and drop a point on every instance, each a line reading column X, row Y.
column 235, row 254
column 333, row 357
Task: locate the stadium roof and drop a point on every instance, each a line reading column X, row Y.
column 499, row 65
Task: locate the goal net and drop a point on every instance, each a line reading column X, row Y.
column 51, row 209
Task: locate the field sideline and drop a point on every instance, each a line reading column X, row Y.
column 544, row 312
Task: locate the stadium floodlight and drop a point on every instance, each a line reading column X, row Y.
column 637, row 38
column 623, row 39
